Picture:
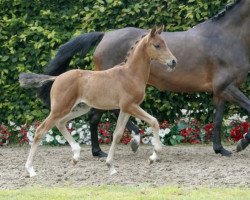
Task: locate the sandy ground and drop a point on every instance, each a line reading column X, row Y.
column 191, row 166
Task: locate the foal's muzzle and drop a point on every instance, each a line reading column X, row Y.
column 171, row 64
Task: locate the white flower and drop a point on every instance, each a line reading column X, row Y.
column 85, row 126
column 184, row 111
column 11, row 123
column 18, row 128
column 79, row 130
column 244, row 118
column 81, row 135
column 50, row 132
column 174, row 136
column 145, row 140
column 30, row 136
column 148, row 131
column 70, row 125
column 60, row 140
column 73, row 132
column 32, row 128
column 138, row 121
column 162, row 133
column 49, row 138
column 167, row 130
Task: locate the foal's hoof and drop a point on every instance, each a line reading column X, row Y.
column 242, row 144
column 153, row 158
column 99, row 154
column 74, row 161
column 134, row 145
column 223, row 152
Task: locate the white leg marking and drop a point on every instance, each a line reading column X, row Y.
column 76, row 150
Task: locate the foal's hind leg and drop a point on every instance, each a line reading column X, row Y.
column 119, row 129
column 61, row 125
column 138, row 112
column 47, row 124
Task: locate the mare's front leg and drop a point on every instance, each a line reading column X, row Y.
column 94, row 119
column 136, row 111
column 135, row 133
column 218, row 117
column 234, row 95
column 119, row 129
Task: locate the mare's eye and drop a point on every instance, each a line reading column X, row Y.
column 157, row 46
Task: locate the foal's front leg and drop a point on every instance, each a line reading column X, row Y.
column 136, row 111
column 119, row 129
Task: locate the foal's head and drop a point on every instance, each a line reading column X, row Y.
column 158, row 50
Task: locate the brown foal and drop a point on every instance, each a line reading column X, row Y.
column 123, row 87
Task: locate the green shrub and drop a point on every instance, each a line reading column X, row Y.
column 32, row 31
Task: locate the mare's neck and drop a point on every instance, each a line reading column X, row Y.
column 139, row 61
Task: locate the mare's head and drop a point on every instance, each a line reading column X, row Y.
column 158, row 50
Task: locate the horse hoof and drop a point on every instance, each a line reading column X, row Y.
column 134, row 145
column 223, row 152
column 113, row 171
column 74, row 161
column 33, row 174
column 242, row 144
column 99, row 154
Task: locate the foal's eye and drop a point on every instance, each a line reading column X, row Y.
column 157, row 46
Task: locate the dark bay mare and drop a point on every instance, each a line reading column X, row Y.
column 212, row 57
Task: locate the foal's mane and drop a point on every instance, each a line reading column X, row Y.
column 132, row 48
column 223, row 11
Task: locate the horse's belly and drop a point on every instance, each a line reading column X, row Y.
column 180, row 83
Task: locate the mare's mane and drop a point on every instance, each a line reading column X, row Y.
column 224, row 11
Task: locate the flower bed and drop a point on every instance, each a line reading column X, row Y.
column 184, row 130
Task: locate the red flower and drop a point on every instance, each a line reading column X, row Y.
column 239, row 130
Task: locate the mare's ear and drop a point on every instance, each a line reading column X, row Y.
column 153, row 32
column 159, row 31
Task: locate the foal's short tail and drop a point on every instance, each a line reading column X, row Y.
column 60, row 63
column 31, row 80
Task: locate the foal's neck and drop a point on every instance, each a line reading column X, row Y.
column 139, row 61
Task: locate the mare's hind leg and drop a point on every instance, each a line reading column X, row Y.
column 119, row 129
column 47, row 124
column 61, row 125
column 94, row 119
column 138, row 112
column 234, row 95
column 135, row 133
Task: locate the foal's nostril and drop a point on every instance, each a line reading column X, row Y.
column 173, row 63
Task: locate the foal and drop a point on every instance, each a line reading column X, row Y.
column 121, row 87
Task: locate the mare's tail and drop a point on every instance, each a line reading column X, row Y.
column 31, row 80
column 63, row 57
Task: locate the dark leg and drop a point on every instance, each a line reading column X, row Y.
column 94, row 118
column 133, row 129
column 234, row 95
column 218, row 117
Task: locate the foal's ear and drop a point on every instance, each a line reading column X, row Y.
column 159, row 31
column 153, row 32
